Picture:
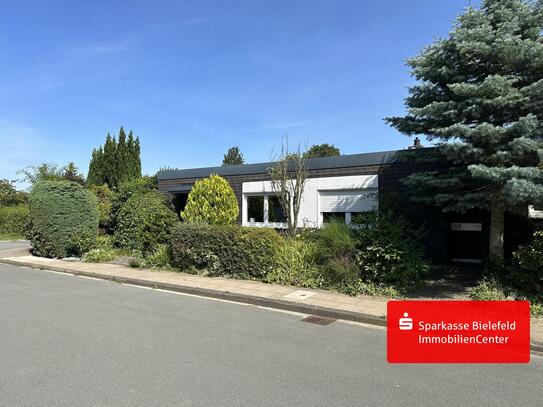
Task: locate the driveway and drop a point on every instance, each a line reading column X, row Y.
column 67, row 340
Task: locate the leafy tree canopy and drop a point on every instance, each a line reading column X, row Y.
column 52, row 172
column 322, row 150
column 9, row 196
column 479, row 97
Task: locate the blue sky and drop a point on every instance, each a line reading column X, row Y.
column 192, row 78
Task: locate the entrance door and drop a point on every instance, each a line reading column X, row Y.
column 466, row 242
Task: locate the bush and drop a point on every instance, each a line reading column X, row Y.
column 63, row 219
column 335, row 247
column 13, row 219
column 225, row 250
column 100, row 255
column 103, row 193
column 388, row 250
column 488, row 290
column 144, row 222
column 211, row 201
column 159, row 258
column 527, row 271
column 123, row 194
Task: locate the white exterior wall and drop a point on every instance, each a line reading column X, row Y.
column 309, row 210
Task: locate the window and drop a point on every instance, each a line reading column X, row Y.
column 275, row 211
column 255, row 209
column 328, row 217
column 265, row 209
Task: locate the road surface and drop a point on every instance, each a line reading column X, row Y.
column 73, row 341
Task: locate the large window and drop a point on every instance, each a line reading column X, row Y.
column 265, row 209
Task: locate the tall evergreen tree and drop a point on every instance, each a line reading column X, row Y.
column 115, row 162
column 322, row 150
column 480, row 97
column 233, row 157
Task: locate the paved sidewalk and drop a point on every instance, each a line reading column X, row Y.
column 324, row 303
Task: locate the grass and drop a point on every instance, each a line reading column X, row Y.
column 11, row 236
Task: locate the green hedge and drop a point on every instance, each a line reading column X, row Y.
column 13, row 219
column 226, row 250
column 63, row 219
column 144, row 222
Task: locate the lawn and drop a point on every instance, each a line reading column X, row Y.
column 10, row 236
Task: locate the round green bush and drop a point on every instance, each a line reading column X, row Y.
column 144, row 222
column 211, row 201
column 63, row 219
column 124, row 192
column 13, row 219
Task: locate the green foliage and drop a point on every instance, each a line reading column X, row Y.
column 225, row 249
column 335, row 250
column 14, row 219
column 159, row 258
column 388, row 250
column 144, row 222
column 124, row 192
column 211, row 201
column 527, row 271
column 104, row 195
column 116, row 162
column 9, row 196
column 479, row 97
column 488, row 290
column 322, row 150
column 52, row 172
column 233, row 157
column 100, row 255
column 63, row 219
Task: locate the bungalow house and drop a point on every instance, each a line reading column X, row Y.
column 339, row 188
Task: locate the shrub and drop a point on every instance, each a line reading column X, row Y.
column 527, row 271
column 388, row 250
column 63, row 219
column 225, row 249
column 103, row 193
column 100, row 255
column 123, row 194
column 13, row 219
column 488, row 290
column 144, row 222
column 335, row 248
column 211, row 201
column 159, row 258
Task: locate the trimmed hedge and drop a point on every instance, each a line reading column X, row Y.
column 144, row 222
column 13, row 219
column 226, row 250
column 63, row 219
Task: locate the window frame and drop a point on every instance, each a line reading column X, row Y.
column 266, row 214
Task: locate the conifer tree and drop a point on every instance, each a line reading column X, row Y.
column 116, row 162
column 233, row 157
column 479, row 96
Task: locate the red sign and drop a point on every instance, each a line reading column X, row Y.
column 458, row 331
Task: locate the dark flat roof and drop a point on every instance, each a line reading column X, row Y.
column 351, row 160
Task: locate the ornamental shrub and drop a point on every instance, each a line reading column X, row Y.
column 225, row 249
column 103, row 193
column 388, row 250
column 63, row 219
column 144, row 222
column 211, row 201
column 124, row 192
column 13, row 219
column 527, row 271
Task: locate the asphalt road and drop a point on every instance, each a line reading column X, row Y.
column 71, row 341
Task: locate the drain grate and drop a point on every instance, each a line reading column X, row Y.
column 313, row 319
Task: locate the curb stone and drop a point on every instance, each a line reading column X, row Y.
column 535, row 347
